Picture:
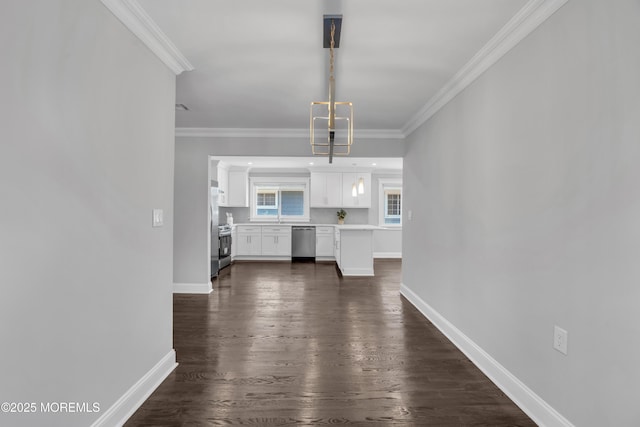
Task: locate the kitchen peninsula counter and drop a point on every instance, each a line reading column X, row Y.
column 354, row 249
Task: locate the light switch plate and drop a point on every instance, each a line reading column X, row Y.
column 158, row 219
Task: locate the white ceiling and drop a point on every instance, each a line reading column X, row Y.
column 258, row 64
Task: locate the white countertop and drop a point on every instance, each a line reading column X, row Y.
column 358, row 227
column 293, row 224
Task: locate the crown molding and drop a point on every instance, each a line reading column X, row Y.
column 378, row 134
column 279, row 133
column 534, row 13
column 241, row 133
column 136, row 19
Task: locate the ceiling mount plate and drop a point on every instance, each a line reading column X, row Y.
column 326, row 39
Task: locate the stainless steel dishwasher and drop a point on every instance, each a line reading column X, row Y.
column 303, row 242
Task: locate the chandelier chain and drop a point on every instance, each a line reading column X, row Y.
column 333, row 32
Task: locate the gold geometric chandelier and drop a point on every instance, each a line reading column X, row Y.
column 331, row 122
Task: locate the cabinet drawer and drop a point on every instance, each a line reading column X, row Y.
column 270, row 229
column 324, row 230
column 248, row 229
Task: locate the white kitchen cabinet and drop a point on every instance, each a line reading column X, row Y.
column 276, row 241
column 326, row 190
column 324, row 243
column 234, row 239
column 336, row 247
column 238, row 188
column 361, row 200
column 248, row 241
column 354, row 251
column 223, row 184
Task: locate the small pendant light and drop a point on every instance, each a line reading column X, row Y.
column 354, row 186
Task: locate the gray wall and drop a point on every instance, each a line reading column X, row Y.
column 525, row 211
column 192, row 180
column 87, row 152
column 191, row 262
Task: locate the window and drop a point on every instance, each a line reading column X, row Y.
column 392, row 211
column 267, row 201
column 390, row 202
column 275, row 199
column 292, row 202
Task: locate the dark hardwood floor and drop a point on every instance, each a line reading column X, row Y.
column 295, row 344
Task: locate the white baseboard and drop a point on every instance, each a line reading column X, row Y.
column 356, row 272
column 387, row 254
column 262, row 258
column 129, row 402
column 192, row 288
column 532, row 404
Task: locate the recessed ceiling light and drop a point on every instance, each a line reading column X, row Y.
column 250, row 163
column 311, row 163
column 374, row 164
column 181, row 107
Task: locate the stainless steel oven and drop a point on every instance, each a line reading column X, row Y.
column 224, row 252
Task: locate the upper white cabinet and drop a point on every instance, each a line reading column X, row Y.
column 233, row 186
column 361, row 200
column 326, row 190
column 333, row 190
column 238, row 185
column 223, row 184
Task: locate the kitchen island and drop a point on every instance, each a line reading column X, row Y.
column 354, row 249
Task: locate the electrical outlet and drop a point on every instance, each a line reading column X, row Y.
column 560, row 338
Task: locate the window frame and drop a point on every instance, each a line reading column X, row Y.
column 384, row 185
column 278, row 184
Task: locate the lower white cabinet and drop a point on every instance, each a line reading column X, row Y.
column 351, row 247
column 256, row 241
column 276, row 241
column 354, row 251
column 248, row 241
column 234, row 243
column 324, row 242
column 336, row 246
